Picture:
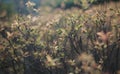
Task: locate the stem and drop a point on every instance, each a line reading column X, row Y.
column 13, row 63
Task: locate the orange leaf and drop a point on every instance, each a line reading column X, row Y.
column 104, row 36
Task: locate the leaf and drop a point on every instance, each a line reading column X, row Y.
column 50, row 60
column 78, row 26
column 104, row 36
column 9, row 35
column 71, row 62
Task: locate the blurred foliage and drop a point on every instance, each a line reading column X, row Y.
column 84, row 4
column 68, row 3
column 6, row 9
column 70, row 41
column 10, row 7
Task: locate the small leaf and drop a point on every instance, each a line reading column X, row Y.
column 104, row 36
column 50, row 60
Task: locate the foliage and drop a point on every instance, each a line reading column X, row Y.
column 83, row 4
column 68, row 41
column 68, row 3
column 6, row 9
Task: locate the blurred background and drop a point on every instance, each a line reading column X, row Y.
column 19, row 6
